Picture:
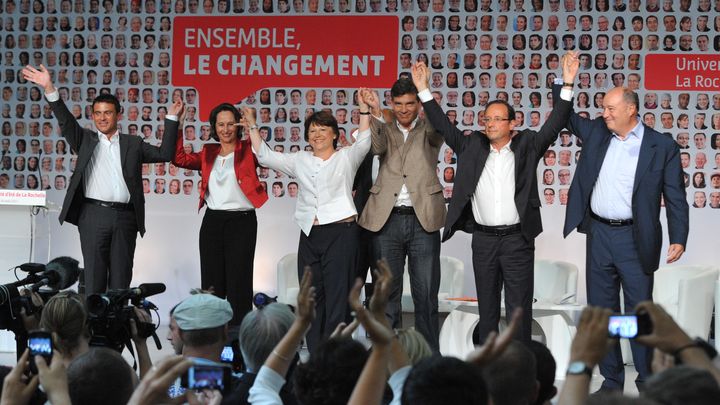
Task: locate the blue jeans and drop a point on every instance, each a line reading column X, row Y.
column 403, row 236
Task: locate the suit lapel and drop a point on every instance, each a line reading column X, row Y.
column 482, row 157
column 124, row 145
column 647, row 154
column 412, row 135
column 604, row 145
column 88, row 149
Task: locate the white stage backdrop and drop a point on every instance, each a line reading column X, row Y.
column 476, row 55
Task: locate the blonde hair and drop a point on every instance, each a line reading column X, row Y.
column 65, row 316
column 413, row 344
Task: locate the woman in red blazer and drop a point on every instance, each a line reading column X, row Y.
column 231, row 190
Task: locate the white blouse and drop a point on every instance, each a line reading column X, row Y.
column 223, row 188
column 325, row 186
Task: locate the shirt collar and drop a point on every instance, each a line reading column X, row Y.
column 412, row 125
column 505, row 148
column 638, row 131
column 114, row 138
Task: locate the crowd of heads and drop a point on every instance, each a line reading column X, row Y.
column 502, row 371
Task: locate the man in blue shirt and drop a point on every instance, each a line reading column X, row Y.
column 615, row 198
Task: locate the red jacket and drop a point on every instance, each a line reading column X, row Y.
column 245, row 168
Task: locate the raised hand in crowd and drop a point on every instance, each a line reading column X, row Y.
column 280, row 358
column 39, row 76
column 17, row 389
column 153, row 388
column 378, row 304
column 668, row 337
column 345, row 330
column 369, row 387
column 495, row 344
column 588, row 347
column 53, row 379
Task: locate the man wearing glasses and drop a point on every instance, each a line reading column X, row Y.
column 496, row 196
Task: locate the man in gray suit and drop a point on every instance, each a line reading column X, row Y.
column 406, row 208
column 105, row 196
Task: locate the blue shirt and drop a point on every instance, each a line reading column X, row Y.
column 612, row 195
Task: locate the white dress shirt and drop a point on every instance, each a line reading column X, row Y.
column 493, row 202
column 325, row 186
column 223, row 189
column 612, row 196
column 103, row 178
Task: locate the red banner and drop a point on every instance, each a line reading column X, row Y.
column 692, row 72
column 229, row 58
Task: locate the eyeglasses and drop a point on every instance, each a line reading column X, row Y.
column 494, row 119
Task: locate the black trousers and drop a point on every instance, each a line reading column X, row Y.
column 107, row 241
column 503, row 261
column 331, row 251
column 227, row 253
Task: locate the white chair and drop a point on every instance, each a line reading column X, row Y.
column 555, row 282
column 451, row 284
column 555, row 285
column 287, row 279
column 687, row 293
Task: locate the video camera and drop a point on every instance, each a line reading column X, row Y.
column 110, row 315
column 58, row 274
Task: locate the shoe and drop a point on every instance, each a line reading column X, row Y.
column 605, row 390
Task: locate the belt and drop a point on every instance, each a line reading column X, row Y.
column 611, row 222
column 500, row 230
column 109, row 204
column 403, row 210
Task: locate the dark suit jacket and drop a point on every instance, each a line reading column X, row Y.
column 473, row 151
column 133, row 153
column 658, row 174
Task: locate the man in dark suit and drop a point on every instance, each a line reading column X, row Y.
column 625, row 171
column 105, row 196
column 496, row 197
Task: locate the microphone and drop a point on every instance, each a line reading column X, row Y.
column 146, row 290
column 61, row 273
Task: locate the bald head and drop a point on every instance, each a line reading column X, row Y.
column 620, row 109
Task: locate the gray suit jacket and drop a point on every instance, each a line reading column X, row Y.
column 413, row 163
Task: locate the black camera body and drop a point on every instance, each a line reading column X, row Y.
column 109, row 316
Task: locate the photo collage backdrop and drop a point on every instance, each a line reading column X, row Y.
column 477, row 52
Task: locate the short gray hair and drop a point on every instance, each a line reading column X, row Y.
column 260, row 332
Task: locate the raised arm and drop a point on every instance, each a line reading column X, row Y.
column 370, row 386
column 452, row 135
column 272, row 374
column 70, row 129
column 563, row 106
column 266, row 156
column 166, row 151
column 377, row 123
column 183, row 159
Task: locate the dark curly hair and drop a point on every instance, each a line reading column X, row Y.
column 329, row 376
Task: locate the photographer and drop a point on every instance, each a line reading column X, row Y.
column 673, row 345
column 65, row 315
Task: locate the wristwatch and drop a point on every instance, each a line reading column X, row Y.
column 579, row 368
